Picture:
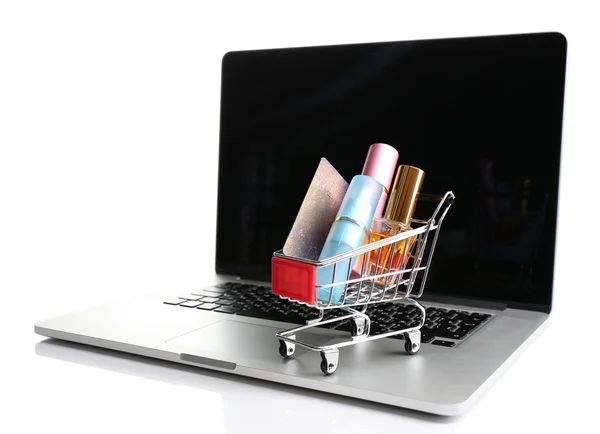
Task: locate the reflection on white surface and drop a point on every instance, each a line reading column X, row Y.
column 246, row 404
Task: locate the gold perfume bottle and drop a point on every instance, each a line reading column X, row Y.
column 397, row 219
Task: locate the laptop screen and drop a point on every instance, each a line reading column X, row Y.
column 481, row 116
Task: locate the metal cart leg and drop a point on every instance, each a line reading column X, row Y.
column 359, row 327
column 329, row 360
column 360, row 324
column 287, row 349
column 412, row 341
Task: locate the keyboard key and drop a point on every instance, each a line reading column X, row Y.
column 215, row 290
column 227, row 309
column 443, row 343
column 190, row 297
column 208, row 306
column 225, row 302
column 458, row 334
column 425, row 338
column 191, row 303
column 210, row 299
column 479, row 317
column 252, row 313
column 229, row 285
column 204, row 293
column 174, row 301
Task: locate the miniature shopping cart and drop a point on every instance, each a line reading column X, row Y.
column 384, row 277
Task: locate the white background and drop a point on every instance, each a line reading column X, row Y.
column 108, row 148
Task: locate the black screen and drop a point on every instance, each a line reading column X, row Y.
column 481, row 116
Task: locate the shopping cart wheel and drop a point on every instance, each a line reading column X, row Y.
column 358, row 327
column 287, row 349
column 329, row 361
column 412, row 342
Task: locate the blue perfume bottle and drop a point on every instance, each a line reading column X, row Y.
column 348, row 231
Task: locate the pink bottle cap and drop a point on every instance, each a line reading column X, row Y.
column 381, row 164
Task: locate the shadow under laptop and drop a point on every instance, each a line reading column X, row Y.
column 239, row 394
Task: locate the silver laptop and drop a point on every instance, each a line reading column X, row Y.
column 482, row 116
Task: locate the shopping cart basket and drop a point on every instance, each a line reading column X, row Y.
column 390, row 268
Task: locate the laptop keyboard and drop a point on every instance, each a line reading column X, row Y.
column 444, row 327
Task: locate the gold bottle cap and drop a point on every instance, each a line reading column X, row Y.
column 405, row 193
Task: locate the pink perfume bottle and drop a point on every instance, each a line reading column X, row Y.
column 381, row 165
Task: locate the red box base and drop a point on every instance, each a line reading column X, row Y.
column 293, row 279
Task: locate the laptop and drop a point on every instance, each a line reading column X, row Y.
column 482, row 116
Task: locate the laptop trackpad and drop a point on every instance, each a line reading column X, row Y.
column 226, row 344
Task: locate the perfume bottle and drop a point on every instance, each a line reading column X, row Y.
column 380, row 165
column 348, row 231
column 397, row 219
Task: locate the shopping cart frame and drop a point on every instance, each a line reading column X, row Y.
column 362, row 291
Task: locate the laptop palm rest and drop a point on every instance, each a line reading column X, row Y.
column 226, row 344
